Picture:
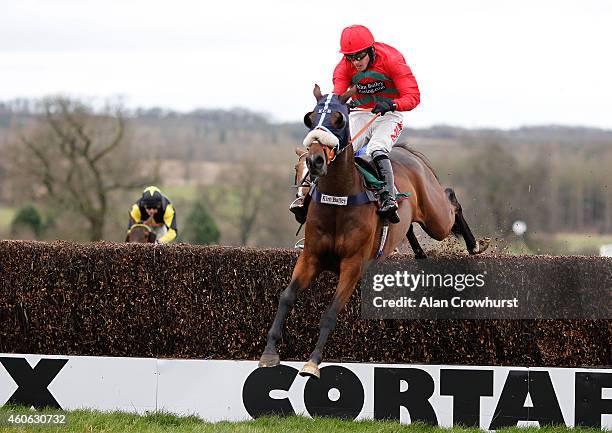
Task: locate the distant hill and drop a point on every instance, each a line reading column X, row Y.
column 556, row 178
column 224, row 135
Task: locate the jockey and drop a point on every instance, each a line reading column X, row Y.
column 155, row 210
column 384, row 84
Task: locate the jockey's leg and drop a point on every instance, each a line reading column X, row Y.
column 357, row 120
column 387, row 129
column 388, row 204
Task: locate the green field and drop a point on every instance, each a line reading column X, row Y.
column 578, row 243
column 6, row 216
column 187, row 193
column 184, row 196
column 561, row 244
column 93, row 421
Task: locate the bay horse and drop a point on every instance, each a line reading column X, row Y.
column 141, row 233
column 344, row 239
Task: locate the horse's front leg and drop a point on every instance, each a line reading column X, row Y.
column 350, row 273
column 306, row 269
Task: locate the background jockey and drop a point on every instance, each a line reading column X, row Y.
column 384, row 84
column 156, row 211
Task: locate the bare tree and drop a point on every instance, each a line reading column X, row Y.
column 250, row 201
column 80, row 158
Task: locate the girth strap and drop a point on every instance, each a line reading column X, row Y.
column 351, row 200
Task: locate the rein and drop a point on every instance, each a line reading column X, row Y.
column 149, row 229
column 331, row 153
column 362, row 130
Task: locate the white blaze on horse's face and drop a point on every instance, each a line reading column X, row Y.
column 316, row 160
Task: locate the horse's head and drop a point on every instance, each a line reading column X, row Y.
column 301, row 171
column 329, row 130
column 141, row 233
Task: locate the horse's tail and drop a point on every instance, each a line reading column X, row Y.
column 419, row 155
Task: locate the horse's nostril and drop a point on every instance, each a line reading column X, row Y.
column 315, row 163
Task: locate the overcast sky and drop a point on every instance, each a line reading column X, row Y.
column 478, row 62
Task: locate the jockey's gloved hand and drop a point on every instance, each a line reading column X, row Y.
column 383, row 107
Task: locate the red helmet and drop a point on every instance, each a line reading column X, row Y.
column 355, row 38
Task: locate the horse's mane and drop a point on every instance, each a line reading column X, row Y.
column 420, row 155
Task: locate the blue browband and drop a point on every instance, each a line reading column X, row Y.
column 351, row 200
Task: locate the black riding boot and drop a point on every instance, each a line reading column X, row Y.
column 388, row 204
column 299, row 208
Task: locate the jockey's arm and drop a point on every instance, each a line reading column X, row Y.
column 170, row 222
column 409, row 95
column 135, row 216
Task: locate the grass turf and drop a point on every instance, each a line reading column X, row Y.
column 120, row 422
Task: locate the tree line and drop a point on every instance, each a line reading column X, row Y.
column 71, row 158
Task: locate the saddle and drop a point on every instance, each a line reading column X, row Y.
column 371, row 176
column 372, row 180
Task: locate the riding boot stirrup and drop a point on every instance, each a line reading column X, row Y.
column 388, row 205
column 299, row 208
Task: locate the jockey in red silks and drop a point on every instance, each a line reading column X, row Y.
column 385, row 84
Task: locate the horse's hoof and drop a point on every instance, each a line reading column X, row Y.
column 484, row 244
column 269, row 360
column 310, row 369
column 481, row 246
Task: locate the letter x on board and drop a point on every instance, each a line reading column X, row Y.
column 33, row 382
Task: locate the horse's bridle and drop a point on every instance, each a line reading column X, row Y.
column 330, row 152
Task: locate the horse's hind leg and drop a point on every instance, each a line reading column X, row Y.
column 414, row 243
column 306, row 269
column 461, row 227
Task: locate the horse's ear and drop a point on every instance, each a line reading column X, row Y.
column 152, row 237
column 300, row 150
column 337, row 120
column 127, row 238
column 317, row 92
column 308, row 119
column 347, row 95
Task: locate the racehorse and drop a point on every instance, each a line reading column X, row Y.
column 345, row 238
column 141, row 233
